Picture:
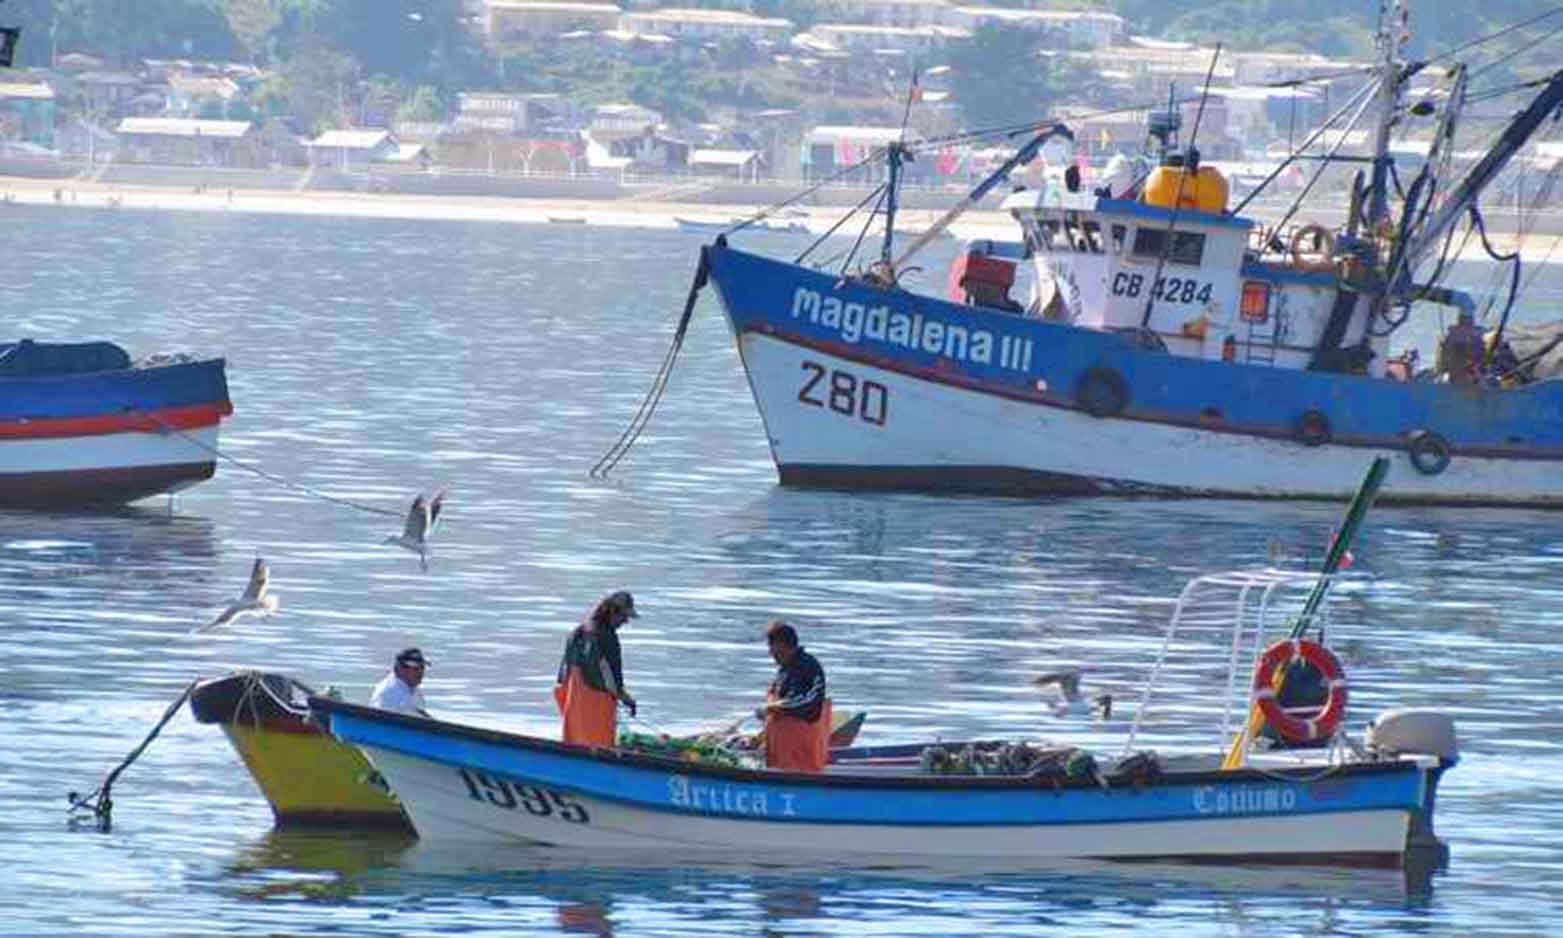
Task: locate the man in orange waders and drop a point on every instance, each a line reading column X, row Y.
column 591, row 675
column 796, row 711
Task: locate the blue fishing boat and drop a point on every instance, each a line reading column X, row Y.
column 1170, row 344
column 83, row 424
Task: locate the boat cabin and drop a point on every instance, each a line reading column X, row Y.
column 1197, row 281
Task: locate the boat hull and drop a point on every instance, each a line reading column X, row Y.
column 109, row 437
column 468, row 784
column 951, row 438
column 309, row 779
column 864, row 388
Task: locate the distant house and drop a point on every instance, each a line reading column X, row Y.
column 622, row 119
column 180, row 141
column 27, row 112
column 829, row 148
column 108, row 94
column 190, row 95
column 733, row 164
column 707, row 24
column 511, row 19
column 350, row 149
column 1074, row 29
column 905, row 13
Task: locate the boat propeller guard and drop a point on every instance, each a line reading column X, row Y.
column 1298, row 729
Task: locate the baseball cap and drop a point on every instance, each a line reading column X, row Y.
column 412, row 657
column 623, row 601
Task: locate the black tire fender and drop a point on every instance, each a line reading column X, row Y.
column 1429, row 452
column 1102, row 392
column 1313, row 428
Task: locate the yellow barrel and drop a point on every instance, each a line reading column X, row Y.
column 1205, row 190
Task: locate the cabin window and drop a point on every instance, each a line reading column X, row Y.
column 1119, row 233
column 1188, row 247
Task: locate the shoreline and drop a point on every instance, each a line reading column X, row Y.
column 620, row 213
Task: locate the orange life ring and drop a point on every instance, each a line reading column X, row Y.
column 1298, row 729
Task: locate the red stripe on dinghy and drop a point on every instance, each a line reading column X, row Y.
column 110, row 486
column 191, row 417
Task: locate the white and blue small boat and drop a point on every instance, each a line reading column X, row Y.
column 1359, row 804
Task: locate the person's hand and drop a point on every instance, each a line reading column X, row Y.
column 762, row 711
column 629, row 702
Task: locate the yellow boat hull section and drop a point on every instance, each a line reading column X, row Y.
column 311, row 779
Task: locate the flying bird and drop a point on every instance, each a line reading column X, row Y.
column 421, row 519
column 253, row 599
column 1070, row 701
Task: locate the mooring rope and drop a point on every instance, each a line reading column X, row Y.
column 99, row 801
column 270, row 476
column 659, row 383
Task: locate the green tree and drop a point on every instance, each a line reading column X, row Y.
column 998, row 77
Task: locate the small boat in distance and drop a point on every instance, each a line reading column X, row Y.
column 82, row 424
column 567, row 219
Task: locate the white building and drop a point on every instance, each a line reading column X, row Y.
column 510, row 18
column 915, row 41
column 707, row 24
column 1079, row 29
column 903, row 13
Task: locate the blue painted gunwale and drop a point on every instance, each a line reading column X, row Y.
column 1251, row 400
column 117, row 391
column 645, row 782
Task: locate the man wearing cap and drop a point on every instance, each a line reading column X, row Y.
column 591, row 675
column 398, row 690
column 796, row 711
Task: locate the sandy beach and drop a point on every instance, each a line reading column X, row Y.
column 633, row 213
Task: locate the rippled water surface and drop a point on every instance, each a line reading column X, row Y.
column 371, row 359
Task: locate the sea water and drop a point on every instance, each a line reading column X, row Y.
column 370, row 360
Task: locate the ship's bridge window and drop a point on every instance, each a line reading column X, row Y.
column 1187, row 247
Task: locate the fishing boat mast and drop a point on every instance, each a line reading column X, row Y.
column 1393, row 31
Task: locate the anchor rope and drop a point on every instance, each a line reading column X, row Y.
column 100, row 801
column 659, row 383
column 270, row 476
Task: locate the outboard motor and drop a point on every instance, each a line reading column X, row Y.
column 1414, row 733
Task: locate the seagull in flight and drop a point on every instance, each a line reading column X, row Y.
column 253, row 599
column 1069, row 700
column 421, row 519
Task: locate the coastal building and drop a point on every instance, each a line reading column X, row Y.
column 180, row 141
column 702, row 25
column 515, row 19
column 196, row 95
column 916, row 42
column 27, row 112
column 828, row 149
column 352, row 149
column 743, row 165
column 622, row 119
column 507, row 112
column 107, row 94
column 899, row 13
column 1073, row 29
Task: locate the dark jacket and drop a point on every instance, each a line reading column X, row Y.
column 800, row 687
column 595, row 649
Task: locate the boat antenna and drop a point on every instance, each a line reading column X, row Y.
column 1190, row 165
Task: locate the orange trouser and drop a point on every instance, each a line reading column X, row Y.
column 591, row 716
column 795, row 745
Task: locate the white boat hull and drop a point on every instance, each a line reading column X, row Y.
column 442, row 809
column 921, row 433
column 106, row 467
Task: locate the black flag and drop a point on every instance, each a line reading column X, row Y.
column 8, row 37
